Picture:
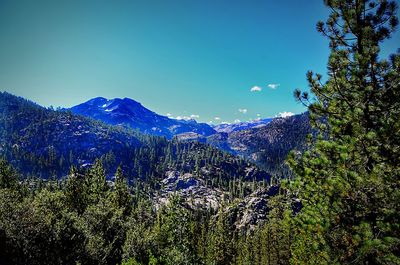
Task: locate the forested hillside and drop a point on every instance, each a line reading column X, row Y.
column 46, row 143
column 266, row 142
column 269, row 145
column 84, row 220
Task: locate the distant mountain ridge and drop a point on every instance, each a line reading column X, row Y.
column 265, row 142
column 44, row 143
column 233, row 127
column 130, row 113
column 267, row 145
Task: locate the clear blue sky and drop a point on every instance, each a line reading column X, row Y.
column 180, row 57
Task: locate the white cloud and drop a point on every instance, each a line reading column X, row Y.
column 255, row 89
column 244, row 111
column 236, row 121
column 273, row 86
column 169, row 115
column 285, row 114
column 217, row 118
column 184, row 117
column 258, row 115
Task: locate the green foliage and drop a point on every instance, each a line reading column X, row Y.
column 95, row 185
column 270, row 243
column 8, row 176
column 75, row 197
column 103, row 227
column 172, row 233
column 349, row 181
column 220, row 249
column 121, row 196
column 55, row 225
column 85, row 220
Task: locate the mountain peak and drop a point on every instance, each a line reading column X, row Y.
column 131, row 113
column 96, row 101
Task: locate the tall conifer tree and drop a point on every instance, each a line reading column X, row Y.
column 349, row 181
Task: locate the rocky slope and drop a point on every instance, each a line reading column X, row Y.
column 45, row 143
column 266, row 142
column 269, row 145
column 233, row 127
column 250, row 211
column 242, row 212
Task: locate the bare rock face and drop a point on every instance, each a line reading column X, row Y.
column 191, row 136
column 252, row 210
column 244, row 213
column 192, row 189
column 175, row 182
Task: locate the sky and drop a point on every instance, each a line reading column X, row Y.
column 212, row 60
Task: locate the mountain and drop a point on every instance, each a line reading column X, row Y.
column 269, row 145
column 43, row 142
column 233, row 127
column 46, row 143
column 265, row 142
column 130, row 113
column 171, row 182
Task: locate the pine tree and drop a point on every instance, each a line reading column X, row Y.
column 121, row 196
column 8, row 176
column 173, row 233
column 349, row 181
column 220, row 242
column 73, row 191
column 95, row 184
